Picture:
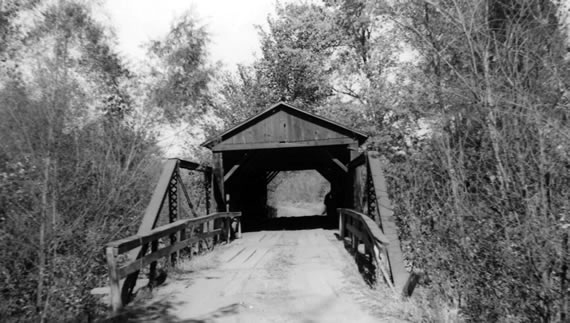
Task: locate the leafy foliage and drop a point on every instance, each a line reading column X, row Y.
column 482, row 199
column 74, row 172
column 182, row 72
column 294, row 66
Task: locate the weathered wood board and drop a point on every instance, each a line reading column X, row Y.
column 399, row 273
column 282, row 127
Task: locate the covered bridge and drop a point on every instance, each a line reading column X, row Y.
column 249, row 155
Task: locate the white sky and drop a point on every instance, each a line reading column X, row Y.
column 231, row 24
column 234, row 38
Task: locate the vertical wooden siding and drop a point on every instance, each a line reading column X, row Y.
column 282, row 127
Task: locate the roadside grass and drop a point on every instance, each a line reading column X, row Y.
column 203, row 261
column 425, row 305
column 422, row 306
column 387, row 306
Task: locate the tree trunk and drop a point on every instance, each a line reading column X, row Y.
column 564, row 279
column 42, row 237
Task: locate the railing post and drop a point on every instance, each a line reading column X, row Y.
column 228, row 228
column 191, row 246
column 354, row 243
column 341, row 224
column 368, row 251
column 114, row 279
column 204, row 242
column 227, row 202
column 238, row 228
column 207, row 185
column 215, row 238
column 152, row 267
column 383, row 266
column 181, row 237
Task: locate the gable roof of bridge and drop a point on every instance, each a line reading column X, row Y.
column 319, row 121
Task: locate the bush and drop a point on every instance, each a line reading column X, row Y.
column 97, row 190
column 491, row 240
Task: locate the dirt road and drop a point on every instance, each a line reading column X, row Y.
column 268, row 276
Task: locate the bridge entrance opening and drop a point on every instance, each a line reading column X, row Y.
column 248, row 158
column 246, row 162
column 296, row 200
column 297, row 193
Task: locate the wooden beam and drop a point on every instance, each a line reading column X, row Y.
column 384, row 208
column 362, row 228
column 246, row 157
column 160, row 191
column 149, row 220
column 357, row 161
column 353, row 196
column 129, row 243
column 360, row 234
column 164, row 252
column 218, row 188
column 411, row 284
column 192, row 165
column 370, row 226
column 276, row 145
column 229, row 174
column 339, row 164
column 271, row 176
column 335, row 161
column 114, row 280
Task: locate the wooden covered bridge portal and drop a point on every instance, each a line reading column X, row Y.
column 282, row 138
column 245, row 159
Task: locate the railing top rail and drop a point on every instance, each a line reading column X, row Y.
column 137, row 240
column 369, row 225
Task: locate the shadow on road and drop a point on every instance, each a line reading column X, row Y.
column 291, row 223
column 159, row 311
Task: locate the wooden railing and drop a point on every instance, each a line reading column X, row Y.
column 374, row 222
column 169, row 191
column 188, row 233
column 359, row 228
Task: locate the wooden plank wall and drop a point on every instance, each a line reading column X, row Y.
column 282, row 127
column 218, row 182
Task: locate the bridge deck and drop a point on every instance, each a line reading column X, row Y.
column 270, row 276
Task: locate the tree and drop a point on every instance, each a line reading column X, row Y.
column 182, row 74
column 295, row 54
column 482, row 198
column 294, row 66
column 367, row 70
column 73, row 172
column 243, row 94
